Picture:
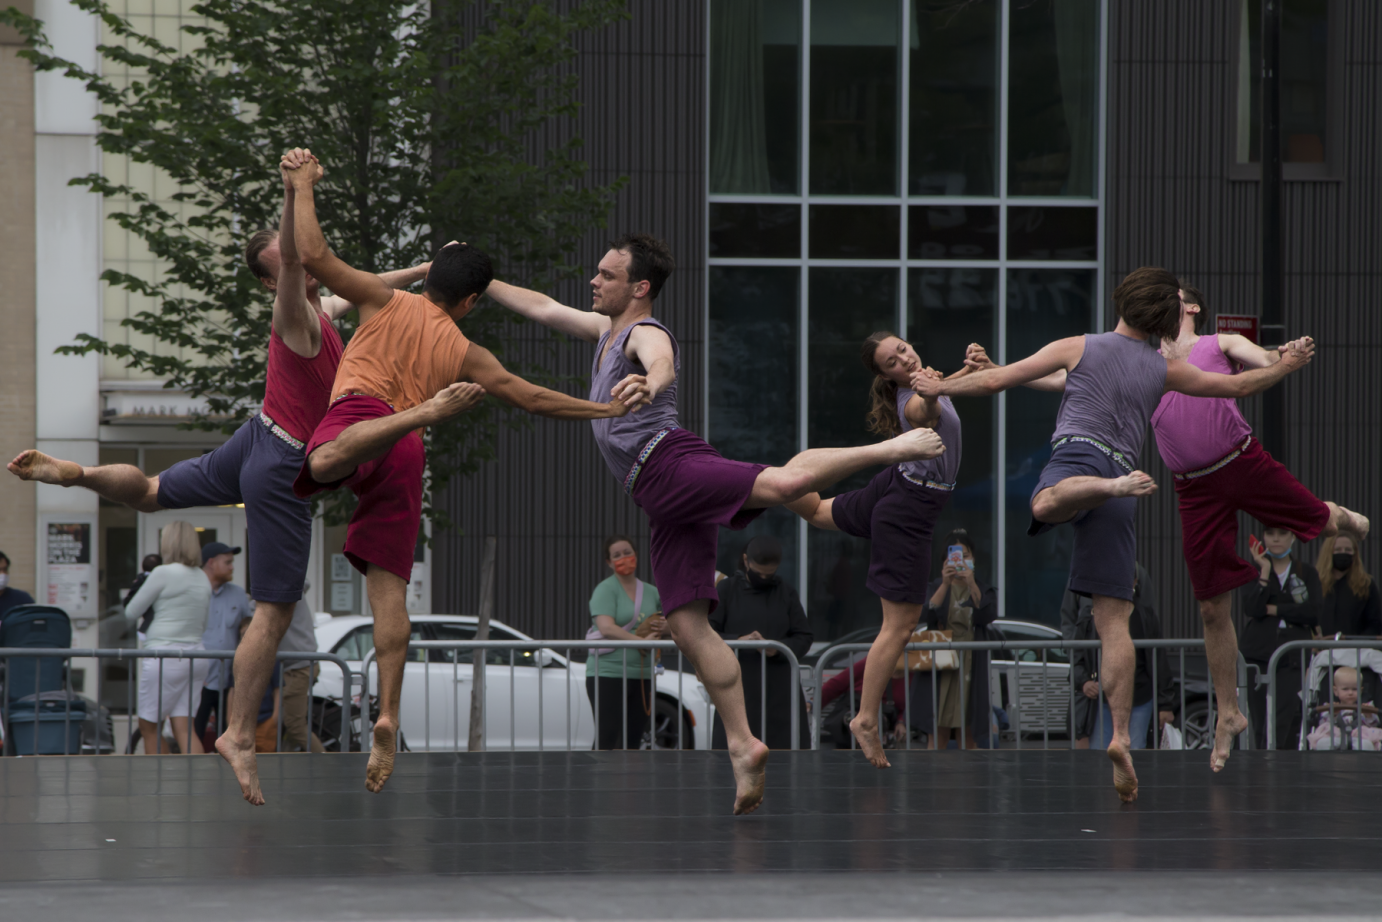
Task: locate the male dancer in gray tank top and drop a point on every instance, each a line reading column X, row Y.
column 1112, row 384
column 685, row 487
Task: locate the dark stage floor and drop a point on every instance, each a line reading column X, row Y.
column 124, row 818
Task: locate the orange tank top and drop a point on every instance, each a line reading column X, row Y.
column 403, row 355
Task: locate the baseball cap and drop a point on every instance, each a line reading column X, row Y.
column 215, row 549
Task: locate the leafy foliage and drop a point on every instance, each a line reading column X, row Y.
column 431, row 127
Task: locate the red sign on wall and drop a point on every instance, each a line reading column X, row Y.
column 1243, row 324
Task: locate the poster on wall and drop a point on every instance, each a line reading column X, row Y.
column 71, row 576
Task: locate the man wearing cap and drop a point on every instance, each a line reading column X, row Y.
column 229, row 607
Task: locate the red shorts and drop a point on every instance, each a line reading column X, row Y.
column 384, row 529
column 1254, row 483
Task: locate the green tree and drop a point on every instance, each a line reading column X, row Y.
column 431, row 127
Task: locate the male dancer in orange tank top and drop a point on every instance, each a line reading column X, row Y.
column 406, row 348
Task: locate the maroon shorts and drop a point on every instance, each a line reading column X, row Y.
column 384, row 529
column 898, row 516
column 1254, row 483
column 689, row 491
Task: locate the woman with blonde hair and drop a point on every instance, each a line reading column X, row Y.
column 179, row 593
column 1352, row 605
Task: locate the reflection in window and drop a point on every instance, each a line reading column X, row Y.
column 1053, row 233
column 947, row 309
column 954, row 75
column 754, row 95
column 1053, row 95
column 738, row 229
column 1043, row 305
column 952, row 232
column 855, row 232
column 1304, row 57
column 854, row 68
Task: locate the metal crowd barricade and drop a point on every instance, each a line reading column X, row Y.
column 831, row 654
column 120, row 654
column 1307, row 678
column 538, row 647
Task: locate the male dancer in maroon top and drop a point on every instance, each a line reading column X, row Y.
column 1220, row 469
column 685, row 487
column 256, row 466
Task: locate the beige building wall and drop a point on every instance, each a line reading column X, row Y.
column 18, row 525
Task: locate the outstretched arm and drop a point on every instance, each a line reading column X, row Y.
column 535, row 305
column 335, row 307
column 1187, row 379
column 1059, row 356
column 294, row 319
column 977, row 359
column 484, row 369
column 365, row 290
column 1248, row 353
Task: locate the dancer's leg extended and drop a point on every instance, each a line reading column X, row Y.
column 1221, row 649
column 1071, row 496
column 718, row 669
column 899, row 620
column 365, row 441
column 391, row 630
column 119, row 483
column 817, row 468
column 254, row 665
column 1116, row 674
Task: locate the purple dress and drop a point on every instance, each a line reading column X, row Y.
column 687, row 489
column 898, row 510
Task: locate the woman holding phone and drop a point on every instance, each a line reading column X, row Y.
column 897, row 511
column 956, row 602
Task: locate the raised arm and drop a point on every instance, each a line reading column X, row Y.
column 1187, row 379
column 535, row 305
column 365, row 290
column 484, row 369
column 335, row 307
column 294, row 320
column 1248, row 353
column 1059, row 356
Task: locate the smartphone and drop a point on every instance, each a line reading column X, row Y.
column 1256, row 544
column 955, row 556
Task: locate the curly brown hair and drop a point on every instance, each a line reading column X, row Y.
column 881, row 418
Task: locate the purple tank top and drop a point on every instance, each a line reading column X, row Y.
column 945, row 468
column 1194, row 432
column 621, row 439
column 1111, row 394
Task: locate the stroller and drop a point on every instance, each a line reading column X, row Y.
column 42, row 716
column 1330, row 725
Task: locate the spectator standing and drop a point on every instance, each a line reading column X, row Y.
column 621, row 691
column 229, row 608
column 298, row 676
column 1283, row 605
column 180, row 595
column 755, row 604
column 10, row 597
column 1351, row 605
column 956, row 602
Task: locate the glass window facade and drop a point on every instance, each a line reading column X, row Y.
column 1304, row 69
column 898, row 171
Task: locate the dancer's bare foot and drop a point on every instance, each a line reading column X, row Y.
column 916, row 445
column 750, row 775
column 381, row 755
column 242, row 762
column 35, row 465
column 1135, row 484
column 1227, row 728
column 1124, row 777
column 869, row 742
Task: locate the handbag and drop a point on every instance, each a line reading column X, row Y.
column 928, row 660
column 594, row 632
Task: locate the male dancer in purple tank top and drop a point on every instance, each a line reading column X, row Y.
column 1112, row 384
column 1220, row 469
column 685, row 487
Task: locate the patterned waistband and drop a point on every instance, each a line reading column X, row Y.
column 279, row 431
column 637, row 468
column 929, row 484
column 1206, row 471
column 1114, row 454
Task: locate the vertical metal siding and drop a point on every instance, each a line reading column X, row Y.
column 1172, row 93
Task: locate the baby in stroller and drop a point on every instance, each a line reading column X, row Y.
column 1343, row 723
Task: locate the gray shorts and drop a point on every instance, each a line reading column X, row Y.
column 1104, row 561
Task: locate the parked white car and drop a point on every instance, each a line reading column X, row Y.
column 435, row 708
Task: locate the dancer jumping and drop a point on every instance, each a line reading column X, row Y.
column 686, row 488
column 256, row 466
column 1220, row 470
column 897, row 511
column 406, row 348
column 1113, row 383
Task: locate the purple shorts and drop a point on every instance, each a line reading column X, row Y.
column 689, row 491
column 1104, row 559
column 898, row 516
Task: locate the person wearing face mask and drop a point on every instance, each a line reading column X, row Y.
column 10, row 597
column 755, row 604
column 1283, row 605
column 1352, row 606
column 619, row 686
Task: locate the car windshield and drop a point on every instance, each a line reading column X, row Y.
column 361, row 640
column 1015, row 633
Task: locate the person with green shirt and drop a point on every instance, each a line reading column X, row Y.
column 622, row 607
